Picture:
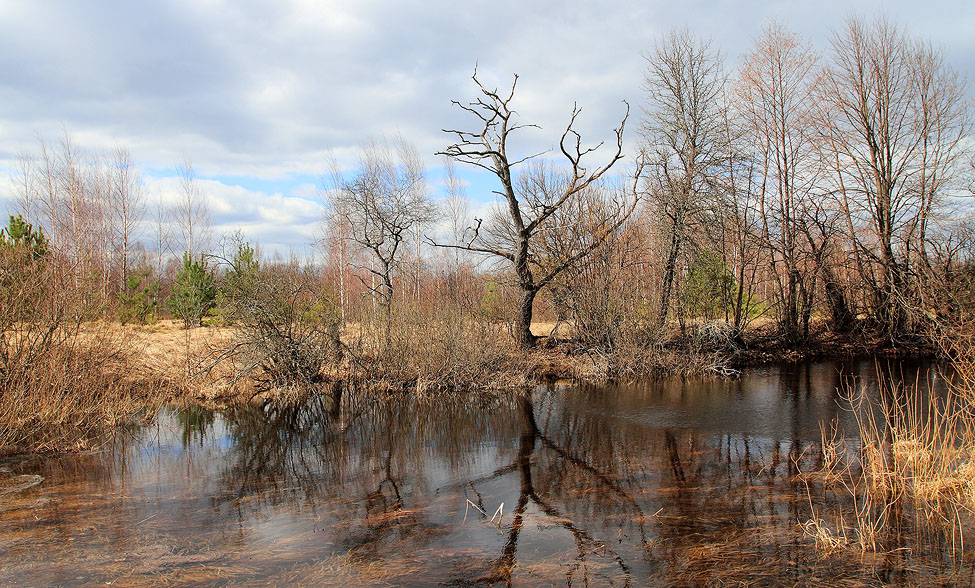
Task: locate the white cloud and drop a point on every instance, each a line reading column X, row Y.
column 267, row 90
column 279, row 223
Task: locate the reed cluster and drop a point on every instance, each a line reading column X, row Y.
column 910, row 469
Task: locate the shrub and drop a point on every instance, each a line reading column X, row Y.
column 286, row 324
column 61, row 385
column 448, row 348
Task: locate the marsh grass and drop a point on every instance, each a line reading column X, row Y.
column 910, row 470
column 428, row 352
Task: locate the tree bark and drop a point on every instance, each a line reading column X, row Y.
column 523, row 322
column 670, row 270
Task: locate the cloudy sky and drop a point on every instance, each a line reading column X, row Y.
column 258, row 94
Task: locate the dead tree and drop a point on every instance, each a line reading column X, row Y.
column 526, row 215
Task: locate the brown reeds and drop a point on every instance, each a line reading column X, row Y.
column 913, row 465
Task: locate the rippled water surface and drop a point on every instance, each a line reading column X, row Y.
column 676, row 483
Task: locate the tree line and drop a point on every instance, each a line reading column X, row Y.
column 795, row 191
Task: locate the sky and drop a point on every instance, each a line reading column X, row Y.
column 259, row 95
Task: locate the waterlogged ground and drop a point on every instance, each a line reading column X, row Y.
column 679, row 483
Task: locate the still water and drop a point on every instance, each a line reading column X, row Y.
column 683, row 482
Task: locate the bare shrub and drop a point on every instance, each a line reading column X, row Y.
column 64, row 381
column 598, row 291
column 286, row 324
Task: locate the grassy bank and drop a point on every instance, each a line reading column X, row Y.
column 70, row 382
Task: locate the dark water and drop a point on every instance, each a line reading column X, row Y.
column 686, row 482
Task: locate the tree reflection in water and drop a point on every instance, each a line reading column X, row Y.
column 559, row 465
column 673, row 483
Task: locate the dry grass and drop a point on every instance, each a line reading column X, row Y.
column 914, row 462
column 448, row 350
column 77, row 389
column 169, row 350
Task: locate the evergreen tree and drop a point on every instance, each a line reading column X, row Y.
column 194, row 293
column 140, row 297
column 22, row 234
column 239, row 282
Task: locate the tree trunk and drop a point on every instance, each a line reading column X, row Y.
column 523, row 322
column 838, row 307
column 670, row 269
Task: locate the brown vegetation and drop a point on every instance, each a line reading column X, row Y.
column 64, row 377
column 912, row 467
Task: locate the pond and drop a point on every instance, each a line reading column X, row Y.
column 680, row 482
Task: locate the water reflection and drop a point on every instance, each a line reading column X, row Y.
column 684, row 482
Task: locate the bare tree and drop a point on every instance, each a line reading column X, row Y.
column 191, row 213
column 126, row 205
column 66, row 192
column 775, row 88
column 335, row 245
column 456, row 211
column 894, row 115
column 89, row 205
column 529, row 208
column 735, row 231
column 161, row 234
column 684, row 138
column 381, row 203
column 598, row 291
column 457, row 207
column 26, row 196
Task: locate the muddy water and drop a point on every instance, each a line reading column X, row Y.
column 676, row 483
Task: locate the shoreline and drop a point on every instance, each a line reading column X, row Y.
column 160, row 368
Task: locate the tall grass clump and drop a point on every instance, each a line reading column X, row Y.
column 435, row 349
column 913, row 465
column 911, row 469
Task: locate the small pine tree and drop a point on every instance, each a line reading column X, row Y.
column 22, row 234
column 139, row 299
column 238, row 283
column 194, row 294
column 242, row 274
column 708, row 286
column 25, row 283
